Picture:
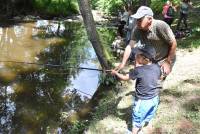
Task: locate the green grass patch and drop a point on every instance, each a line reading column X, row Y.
column 179, row 110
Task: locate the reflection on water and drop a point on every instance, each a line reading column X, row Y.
column 86, row 84
column 33, row 97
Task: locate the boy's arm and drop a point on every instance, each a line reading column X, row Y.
column 121, row 76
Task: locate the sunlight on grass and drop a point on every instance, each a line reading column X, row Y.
column 179, row 110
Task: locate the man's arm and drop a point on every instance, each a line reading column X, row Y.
column 126, row 55
column 172, row 51
column 166, row 66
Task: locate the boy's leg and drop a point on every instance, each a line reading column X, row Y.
column 136, row 117
column 135, row 130
column 154, row 102
column 143, row 112
column 148, row 128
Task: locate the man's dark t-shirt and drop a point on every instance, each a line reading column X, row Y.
column 147, row 77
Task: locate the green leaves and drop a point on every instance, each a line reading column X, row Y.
column 56, row 7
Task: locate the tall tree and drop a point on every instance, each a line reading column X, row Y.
column 93, row 36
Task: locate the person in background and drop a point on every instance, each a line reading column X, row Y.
column 123, row 21
column 168, row 12
column 146, row 100
column 185, row 5
column 129, row 27
column 155, row 33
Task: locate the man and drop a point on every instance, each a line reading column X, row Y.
column 153, row 32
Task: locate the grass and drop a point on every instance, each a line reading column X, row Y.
column 179, row 110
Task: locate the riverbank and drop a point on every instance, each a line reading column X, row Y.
column 179, row 109
column 178, row 112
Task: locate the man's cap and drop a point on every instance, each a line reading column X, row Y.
column 147, row 51
column 143, row 11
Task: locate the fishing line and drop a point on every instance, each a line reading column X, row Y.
column 56, row 65
column 83, row 92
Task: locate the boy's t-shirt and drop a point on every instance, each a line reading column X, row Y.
column 147, row 77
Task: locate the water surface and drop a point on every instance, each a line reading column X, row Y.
column 39, row 75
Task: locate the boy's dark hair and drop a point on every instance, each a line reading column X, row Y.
column 148, row 52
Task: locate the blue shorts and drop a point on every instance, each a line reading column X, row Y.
column 144, row 111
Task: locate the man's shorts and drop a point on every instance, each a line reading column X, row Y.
column 144, row 111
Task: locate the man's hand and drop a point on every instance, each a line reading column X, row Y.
column 166, row 67
column 125, row 58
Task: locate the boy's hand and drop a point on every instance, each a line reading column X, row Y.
column 114, row 72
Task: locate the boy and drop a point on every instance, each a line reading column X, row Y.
column 147, row 74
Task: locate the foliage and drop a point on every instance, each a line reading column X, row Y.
column 107, row 79
column 106, row 106
column 157, row 6
column 56, row 7
column 108, row 6
column 78, row 127
column 107, row 36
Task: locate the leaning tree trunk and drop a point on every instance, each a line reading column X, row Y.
column 89, row 23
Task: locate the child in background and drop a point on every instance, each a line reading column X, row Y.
column 146, row 73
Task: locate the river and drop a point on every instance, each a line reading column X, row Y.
column 41, row 76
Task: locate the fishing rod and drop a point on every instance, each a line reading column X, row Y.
column 56, row 65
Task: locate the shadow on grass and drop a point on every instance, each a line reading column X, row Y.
column 175, row 92
column 192, row 81
column 172, row 92
column 192, row 116
column 186, row 94
column 193, row 105
column 126, row 113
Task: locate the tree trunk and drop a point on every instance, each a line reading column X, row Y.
column 92, row 32
column 145, row 2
